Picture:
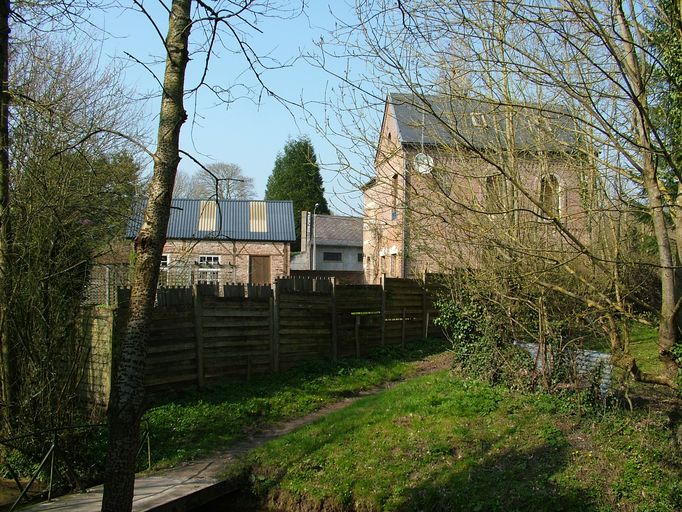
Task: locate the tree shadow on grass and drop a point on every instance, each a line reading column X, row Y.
column 510, row 481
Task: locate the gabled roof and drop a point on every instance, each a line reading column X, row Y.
column 194, row 219
column 338, row 230
column 370, row 183
column 442, row 120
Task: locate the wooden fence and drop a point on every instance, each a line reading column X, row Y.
column 203, row 335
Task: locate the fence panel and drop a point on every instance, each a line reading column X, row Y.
column 197, row 337
column 358, row 319
column 236, row 337
column 304, row 327
column 404, row 310
column 171, row 350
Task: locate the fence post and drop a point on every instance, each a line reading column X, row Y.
column 274, row 318
column 383, row 309
column 335, row 334
column 357, row 336
column 402, row 338
column 198, row 335
column 425, row 313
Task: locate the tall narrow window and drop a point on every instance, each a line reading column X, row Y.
column 394, row 211
column 495, row 191
column 549, row 195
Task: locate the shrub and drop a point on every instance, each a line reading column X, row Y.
column 479, row 349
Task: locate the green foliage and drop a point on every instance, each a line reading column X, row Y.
column 666, row 44
column 438, row 443
column 478, row 350
column 296, row 177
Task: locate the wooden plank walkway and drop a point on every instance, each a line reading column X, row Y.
column 179, row 489
column 184, row 487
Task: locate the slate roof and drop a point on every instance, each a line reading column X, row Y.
column 234, row 220
column 338, row 230
column 479, row 123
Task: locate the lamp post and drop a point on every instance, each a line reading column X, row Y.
column 314, row 236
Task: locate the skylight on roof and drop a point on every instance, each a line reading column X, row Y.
column 207, row 216
column 258, row 217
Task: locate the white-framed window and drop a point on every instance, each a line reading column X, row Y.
column 207, row 272
column 208, row 259
column 205, row 276
column 165, row 261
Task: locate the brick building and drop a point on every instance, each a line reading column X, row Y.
column 442, row 186
column 226, row 241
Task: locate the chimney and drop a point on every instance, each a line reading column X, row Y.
column 305, row 230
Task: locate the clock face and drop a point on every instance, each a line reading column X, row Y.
column 423, row 163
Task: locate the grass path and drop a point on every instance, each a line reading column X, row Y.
column 199, row 423
column 257, row 436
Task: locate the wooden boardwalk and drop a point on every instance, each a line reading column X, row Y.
column 184, row 487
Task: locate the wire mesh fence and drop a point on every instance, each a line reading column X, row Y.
column 105, row 280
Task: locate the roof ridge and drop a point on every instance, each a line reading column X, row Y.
column 234, row 200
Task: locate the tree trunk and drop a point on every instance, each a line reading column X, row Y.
column 667, row 326
column 8, row 380
column 127, row 392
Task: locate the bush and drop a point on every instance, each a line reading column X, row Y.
column 479, row 349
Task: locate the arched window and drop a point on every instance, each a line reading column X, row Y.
column 549, row 195
column 495, row 193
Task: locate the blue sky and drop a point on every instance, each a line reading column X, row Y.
column 248, row 132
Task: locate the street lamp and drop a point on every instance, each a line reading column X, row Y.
column 314, row 236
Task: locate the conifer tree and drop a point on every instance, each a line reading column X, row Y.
column 296, row 177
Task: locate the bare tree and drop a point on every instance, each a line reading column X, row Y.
column 219, row 180
column 33, row 17
column 574, row 78
column 185, row 185
column 70, row 198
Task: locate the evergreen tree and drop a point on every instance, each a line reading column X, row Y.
column 296, row 177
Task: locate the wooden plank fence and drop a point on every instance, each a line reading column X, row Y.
column 203, row 335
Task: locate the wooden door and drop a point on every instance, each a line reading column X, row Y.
column 259, row 270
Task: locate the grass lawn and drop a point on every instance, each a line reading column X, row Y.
column 644, row 347
column 441, row 443
column 198, row 423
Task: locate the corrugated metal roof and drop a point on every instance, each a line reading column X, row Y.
column 482, row 124
column 273, row 221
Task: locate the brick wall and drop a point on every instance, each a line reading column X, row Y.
column 234, row 258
